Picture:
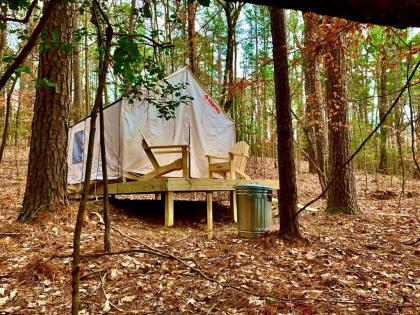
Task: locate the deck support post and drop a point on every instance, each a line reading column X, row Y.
column 233, row 207
column 169, row 208
column 209, row 198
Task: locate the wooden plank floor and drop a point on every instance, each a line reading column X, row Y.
column 183, row 185
column 169, row 186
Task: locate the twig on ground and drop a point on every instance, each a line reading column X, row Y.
column 12, row 233
column 91, row 274
column 106, row 296
column 164, row 254
column 100, row 254
column 411, row 243
column 180, row 240
column 39, row 208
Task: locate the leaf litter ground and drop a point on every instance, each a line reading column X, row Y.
column 360, row 264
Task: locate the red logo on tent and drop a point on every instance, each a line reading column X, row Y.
column 212, row 103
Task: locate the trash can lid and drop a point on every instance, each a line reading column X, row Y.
column 253, row 187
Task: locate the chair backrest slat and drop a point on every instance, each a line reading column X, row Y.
column 239, row 161
column 149, row 152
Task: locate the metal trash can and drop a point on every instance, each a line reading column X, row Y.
column 254, row 210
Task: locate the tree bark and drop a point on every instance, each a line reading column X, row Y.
column 219, row 63
column 287, row 174
column 47, row 170
column 3, row 42
column 382, row 104
column 7, row 117
column 3, row 35
column 342, row 193
column 86, row 61
column 313, row 110
column 232, row 14
column 401, row 14
column 132, row 18
column 191, row 33
column 77, row 83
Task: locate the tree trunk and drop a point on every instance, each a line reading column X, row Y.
column 47, row 170
column 342, row 193
column 382, row 104
column 219, row 64
column 86, row 57
column 86, row 184
column 191, row 33
column 133, row 16
column 232, row 12
column 287, row 174
column 7, row 118
column 3, row 35
column 77, row 84
column 313, row 110
column 103, row 62
column 398, row 119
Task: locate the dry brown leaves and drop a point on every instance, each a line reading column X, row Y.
column 351, row 264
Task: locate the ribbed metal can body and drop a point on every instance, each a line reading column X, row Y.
column 254, row 210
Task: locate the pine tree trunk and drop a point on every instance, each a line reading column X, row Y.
column 382, row 104
column 227, row 101
column 342, row 194
column 313, row 110
column 133, row 15
column 398, row 111
column 7, row 118
column 232, row 12
column 191, row 33
column 77, row 83
column 86, row 61
column 287, row 174
column 47, row 169
column 219, row 64
column 3, row 35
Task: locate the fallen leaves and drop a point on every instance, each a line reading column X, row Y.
column 348, row 260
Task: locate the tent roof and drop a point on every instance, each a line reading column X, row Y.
column 185, row 68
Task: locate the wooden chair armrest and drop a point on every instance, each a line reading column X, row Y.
column 217, row 157
column 174, row 146
column 169, row 152
column 237, row 154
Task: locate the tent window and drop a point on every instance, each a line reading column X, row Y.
column 78, row 147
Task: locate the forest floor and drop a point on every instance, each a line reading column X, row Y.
column 361, row 264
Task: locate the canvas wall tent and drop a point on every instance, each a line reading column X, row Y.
column 202, row 124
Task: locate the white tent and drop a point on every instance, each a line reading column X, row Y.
column 201, row 123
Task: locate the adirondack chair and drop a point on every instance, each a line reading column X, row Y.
column 179, row 164
column 234, row 163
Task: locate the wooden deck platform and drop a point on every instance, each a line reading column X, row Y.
column 169, row 186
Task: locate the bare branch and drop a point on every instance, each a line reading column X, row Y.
column 25, row 19
column 162, row 45
column 30, row 44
